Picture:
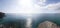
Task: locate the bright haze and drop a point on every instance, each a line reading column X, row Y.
column 30, row 6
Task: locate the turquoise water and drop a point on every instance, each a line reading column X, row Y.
column 54, row 17
column 36, row 19
column 12, row 18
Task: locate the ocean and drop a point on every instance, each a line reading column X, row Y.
column 20, row 20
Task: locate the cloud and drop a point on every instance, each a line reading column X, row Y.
column 40, row 7
column 54, row 7
column 42, row 2
column 50, row 8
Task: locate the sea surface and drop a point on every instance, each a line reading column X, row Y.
column 53, row 17
column 13, row 18
column 36, row 19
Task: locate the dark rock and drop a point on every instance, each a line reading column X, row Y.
column 2, row 15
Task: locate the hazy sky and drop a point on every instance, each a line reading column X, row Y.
column 29, row 6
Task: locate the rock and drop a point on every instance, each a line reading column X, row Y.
column 2, row 15
column 48, row 24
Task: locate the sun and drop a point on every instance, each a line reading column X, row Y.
column 26, row 7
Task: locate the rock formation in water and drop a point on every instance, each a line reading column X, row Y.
column 2, row 15
column 48, row 24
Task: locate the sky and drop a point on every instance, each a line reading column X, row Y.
column 30, row 6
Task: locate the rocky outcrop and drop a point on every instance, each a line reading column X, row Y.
column 2, row 15
column 48, row 24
